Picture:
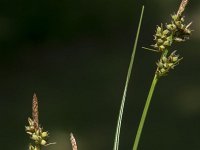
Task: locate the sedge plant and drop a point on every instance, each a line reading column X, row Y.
column 165, row 36
column 37, row 134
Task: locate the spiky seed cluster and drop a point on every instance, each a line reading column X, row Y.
column 167, row 63
column 175, row 31
column 37, row 135
column 179, row 30
column 73, row 142
column 34, row 130
column 162, row 38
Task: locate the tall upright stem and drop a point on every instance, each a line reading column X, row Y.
column 117, row 133
column 145, row 111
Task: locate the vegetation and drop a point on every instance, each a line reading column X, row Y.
column 165, row 36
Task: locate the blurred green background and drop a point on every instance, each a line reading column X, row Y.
column 75, row 56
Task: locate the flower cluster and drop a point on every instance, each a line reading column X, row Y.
column 175, row 31
column 36, row 134
column 34, row 130
column 167, row 63
column 162, row 38
column 180, row 31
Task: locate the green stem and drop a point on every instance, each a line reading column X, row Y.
column 144, row 114
column 117, row 133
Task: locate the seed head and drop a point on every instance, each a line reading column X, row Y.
column 35, row 112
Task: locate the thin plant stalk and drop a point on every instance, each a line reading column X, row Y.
column 176, row 31
column 145, row 111
column 146, row 107
column 117, row 134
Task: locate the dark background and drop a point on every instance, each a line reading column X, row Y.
column 75, row 56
